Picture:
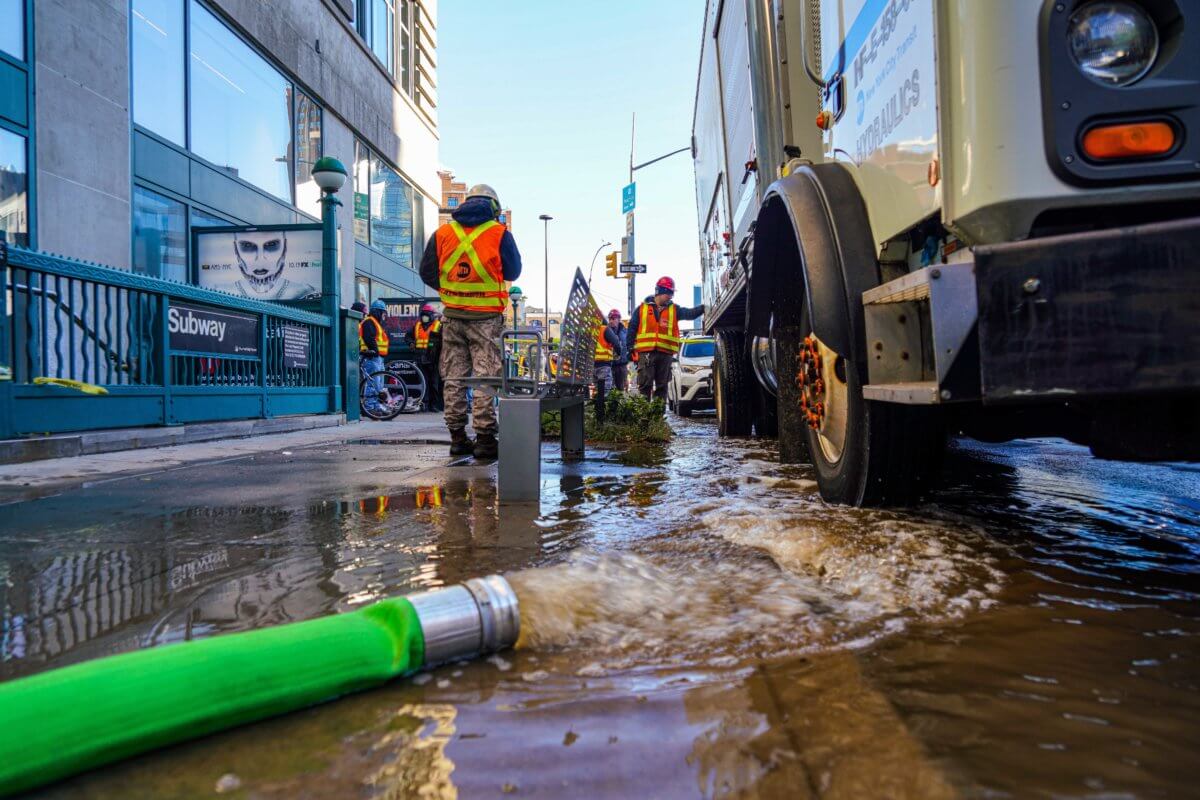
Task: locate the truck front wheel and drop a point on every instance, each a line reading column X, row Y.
column 864, row 453
column 732, row 389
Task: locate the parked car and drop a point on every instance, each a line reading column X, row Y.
column 689, row 387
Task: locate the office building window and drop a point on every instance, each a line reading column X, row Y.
column 159, row 236
column 391, row 213
column 12, row 28
column 406, row 44
column 383, row 32
column 158, row 81
column 240, row 107
column 308, row 150
column 14, row 188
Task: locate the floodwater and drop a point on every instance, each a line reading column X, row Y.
column 695, row 623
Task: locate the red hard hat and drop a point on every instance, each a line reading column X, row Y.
column 614, row 313
column 667, row 284
column 427, row 309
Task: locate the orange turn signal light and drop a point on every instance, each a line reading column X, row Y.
column 1129, row 140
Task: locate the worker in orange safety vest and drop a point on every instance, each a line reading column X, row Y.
column 654, row 339
column 468, row 261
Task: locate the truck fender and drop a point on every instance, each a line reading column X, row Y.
column 812, row 244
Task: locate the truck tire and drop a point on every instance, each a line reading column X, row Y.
column 766, row 417
column 732, row 384
column 864, row 453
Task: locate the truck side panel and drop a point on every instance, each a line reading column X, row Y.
column 733, row 53
column 879, row 60
column 712, row 202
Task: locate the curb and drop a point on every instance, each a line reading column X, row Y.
column 21, row 451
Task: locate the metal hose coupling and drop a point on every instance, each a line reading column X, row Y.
column 468, row 620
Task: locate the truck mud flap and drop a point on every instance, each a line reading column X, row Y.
column 1090, row 314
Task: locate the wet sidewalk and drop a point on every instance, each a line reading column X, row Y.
column 31, row 480
column 696, row 622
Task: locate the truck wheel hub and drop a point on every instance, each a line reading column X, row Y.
column 823, row 395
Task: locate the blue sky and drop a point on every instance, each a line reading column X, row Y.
column 535, row 98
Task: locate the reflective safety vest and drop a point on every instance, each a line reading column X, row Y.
column 604, row 350
column 657, row 333
column 421, row 333
column 380, row 344
column 472, row 276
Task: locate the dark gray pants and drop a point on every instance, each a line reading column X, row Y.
column 653, row 374
column 620, row 376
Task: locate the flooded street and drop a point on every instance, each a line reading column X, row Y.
column 695, row 622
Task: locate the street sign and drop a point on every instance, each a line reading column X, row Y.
column 626, row 269
column 629, row 224
column 628, row 198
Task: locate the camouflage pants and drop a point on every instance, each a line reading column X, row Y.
column 470, row 348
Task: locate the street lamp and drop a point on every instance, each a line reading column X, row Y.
column 515, row 295
column 330, row 174
column 545, row 218
column 593, row 266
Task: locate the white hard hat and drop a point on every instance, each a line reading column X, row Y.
column 483, row 190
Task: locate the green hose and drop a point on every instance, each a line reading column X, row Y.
column 73, row 719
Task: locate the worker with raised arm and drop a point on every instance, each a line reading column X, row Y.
column 468, row 260
column 654, row 338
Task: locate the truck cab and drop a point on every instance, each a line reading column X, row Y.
column 921, row 218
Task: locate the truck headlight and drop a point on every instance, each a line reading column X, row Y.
column 1113, row 43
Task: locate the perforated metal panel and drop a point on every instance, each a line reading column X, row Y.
column 581, row 326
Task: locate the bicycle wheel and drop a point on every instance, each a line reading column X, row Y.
column 414, row 380
column 391, row 395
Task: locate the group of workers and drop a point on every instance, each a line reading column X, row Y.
column 468, row 260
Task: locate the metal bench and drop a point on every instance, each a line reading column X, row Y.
column 528, row 385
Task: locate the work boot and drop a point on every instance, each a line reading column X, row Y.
column 486, row 446
column 460, row 443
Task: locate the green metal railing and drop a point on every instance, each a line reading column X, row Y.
column 68, row 327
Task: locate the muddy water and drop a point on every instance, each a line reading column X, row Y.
column 696, row 622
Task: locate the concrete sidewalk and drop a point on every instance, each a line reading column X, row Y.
column 28, row 481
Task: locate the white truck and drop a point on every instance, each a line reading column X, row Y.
column 921, row 218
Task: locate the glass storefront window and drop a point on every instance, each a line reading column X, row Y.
column 308, row 150
column 362, row 204
column 12, row 28
column 240, row 115
column 158, row 81
column 202, row 219
column 159, row 236
column 391, row 213
column 14, row 188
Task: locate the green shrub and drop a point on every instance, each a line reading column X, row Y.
column 629, row 418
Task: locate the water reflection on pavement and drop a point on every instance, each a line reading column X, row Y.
column 696, row 622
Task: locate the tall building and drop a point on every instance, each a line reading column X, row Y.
column 128, row 124
column 454, row 193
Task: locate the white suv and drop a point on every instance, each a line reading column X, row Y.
column 689, row 389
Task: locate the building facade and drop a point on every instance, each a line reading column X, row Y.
column 126, row 125
column 454, row 193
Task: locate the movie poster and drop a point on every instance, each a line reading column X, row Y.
column 260, row 263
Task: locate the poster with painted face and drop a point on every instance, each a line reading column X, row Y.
column 261, row 263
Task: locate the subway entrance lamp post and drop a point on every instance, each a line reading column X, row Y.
column 515, row 296
column 330, row 174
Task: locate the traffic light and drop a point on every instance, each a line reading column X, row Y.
column 610, row 264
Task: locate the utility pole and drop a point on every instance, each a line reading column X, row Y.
column 629, row 221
